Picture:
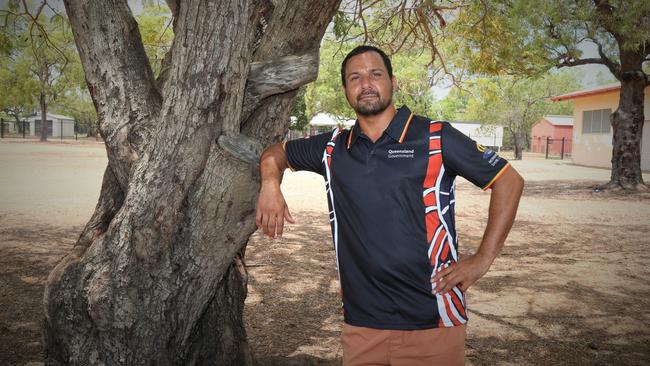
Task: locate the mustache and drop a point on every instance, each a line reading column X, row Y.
column 366, row 93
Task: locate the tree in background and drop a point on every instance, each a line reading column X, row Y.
column 157, row 34
column 414, row 82
column 44, row 44
column 299, row 111
column 452, row 106
column 17, row 88
column 74, row 99
column 517, row 103
column 325, row 95
column 513, row 38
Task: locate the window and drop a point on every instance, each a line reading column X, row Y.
column 596, row 121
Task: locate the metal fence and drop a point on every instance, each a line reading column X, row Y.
column 22, row 131
column 550, row 143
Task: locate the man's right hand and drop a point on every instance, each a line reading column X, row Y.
column 272, row 210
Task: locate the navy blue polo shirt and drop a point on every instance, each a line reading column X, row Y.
column 392, row 215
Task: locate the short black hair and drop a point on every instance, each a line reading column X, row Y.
column 363, row 49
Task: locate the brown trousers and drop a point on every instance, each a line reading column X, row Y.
column 425, row 347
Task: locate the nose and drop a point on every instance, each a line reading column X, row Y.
column 365, row 82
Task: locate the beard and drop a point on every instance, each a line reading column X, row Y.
column 372, row 107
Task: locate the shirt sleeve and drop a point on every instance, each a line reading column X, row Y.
column 465, row 157
column 307, row 153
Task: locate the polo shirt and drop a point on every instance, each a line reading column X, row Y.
column 392, row 215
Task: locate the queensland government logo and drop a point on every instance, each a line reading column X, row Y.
column 401, row 154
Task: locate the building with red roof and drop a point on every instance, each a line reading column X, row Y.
column 552, row 129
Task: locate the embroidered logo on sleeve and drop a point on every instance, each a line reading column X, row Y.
column 488, row 154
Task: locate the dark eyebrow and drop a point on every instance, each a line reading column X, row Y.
column 371, row 70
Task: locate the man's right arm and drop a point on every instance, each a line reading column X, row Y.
column 301, row 154
column 272, row 209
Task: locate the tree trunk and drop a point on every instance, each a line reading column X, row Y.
column 157, row 275
column 43, row 106
column 518, row 138
column 627, row 123
column 17, row 121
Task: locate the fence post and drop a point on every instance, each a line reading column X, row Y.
column 2, row 128
column 562, row 153
column 547, row 140
column 61, row 124
column 24, row 128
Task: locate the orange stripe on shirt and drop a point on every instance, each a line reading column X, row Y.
column 505, row 167
column 406, row 128
column 350, row 137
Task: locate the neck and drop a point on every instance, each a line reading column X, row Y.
column 373, row 126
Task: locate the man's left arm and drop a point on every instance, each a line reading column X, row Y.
column 504, row 201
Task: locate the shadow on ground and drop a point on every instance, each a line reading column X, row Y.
column 27, row 255
column 553, row 297
column 293, row 307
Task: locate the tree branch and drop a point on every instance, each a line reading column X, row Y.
column 607, row 13
column 278, row 76
column 284, row 36
column 363, row 21
column 569, row 61
column 119, row 78
column 613, row 67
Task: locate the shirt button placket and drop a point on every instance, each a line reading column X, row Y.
column 369, row 155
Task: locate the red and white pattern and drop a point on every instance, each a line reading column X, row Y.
column 442, row 248
column 327, row 162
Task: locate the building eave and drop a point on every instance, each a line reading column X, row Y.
column 588, row 92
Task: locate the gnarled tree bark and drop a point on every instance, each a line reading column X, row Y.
column 627, row 123
column 157, row 275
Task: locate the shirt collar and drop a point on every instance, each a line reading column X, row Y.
column 396, row 129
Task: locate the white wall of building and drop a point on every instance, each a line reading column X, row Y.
column 595, row 149
column 486, row 137
column 58, row 123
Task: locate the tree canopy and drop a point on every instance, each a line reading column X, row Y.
column 517, row 103
column 43, row 66
column 514, row 39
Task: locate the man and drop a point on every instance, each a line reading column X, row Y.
column 390, row 185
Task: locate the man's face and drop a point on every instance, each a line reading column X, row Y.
column 368, row 87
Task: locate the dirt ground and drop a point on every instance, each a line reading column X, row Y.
column 570, row 288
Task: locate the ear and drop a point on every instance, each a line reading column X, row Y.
column 393, row 81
